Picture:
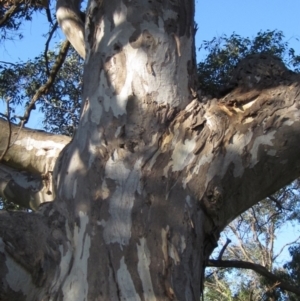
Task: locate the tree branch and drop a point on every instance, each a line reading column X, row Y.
column 31, row 151
column 284, row 246
column 47, row 47
column 10, row 12
column 44, row 88
column 278, row 204
column 69, row 19
column 242, row 137
column 258, row 269
column 2, row 62
column 228, row 241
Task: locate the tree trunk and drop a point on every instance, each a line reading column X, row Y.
column 152, row 175
column 113, row 178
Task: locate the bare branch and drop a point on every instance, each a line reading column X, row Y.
column 240, row 241
column 8, row 63
column 258, row 269
column 284, row 246
column 278, row 204
column 228, row 241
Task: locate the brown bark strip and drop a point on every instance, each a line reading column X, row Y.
column 258, row 269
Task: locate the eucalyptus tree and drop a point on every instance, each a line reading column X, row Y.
column 136, row 200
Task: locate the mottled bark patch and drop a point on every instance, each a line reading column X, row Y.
column 115, row 68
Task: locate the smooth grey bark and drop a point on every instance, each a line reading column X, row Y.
column 27, row 165
column 70, row 20
column 153, row 173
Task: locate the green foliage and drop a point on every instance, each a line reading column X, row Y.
column 293, row 266
column 223, row 54
column 61, row 105
column 292, row 271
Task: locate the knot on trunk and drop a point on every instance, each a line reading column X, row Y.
column 213, row 199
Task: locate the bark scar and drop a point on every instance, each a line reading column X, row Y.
column 177, row 40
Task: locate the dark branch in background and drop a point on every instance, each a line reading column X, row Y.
column 8, row 63
column 16, row 6
column 256, row 222
column 258, row 269
column 47, row 47
column 45, row 88
column 278, row 204
column 48, row 12
column 228, row 241
column 284, row 246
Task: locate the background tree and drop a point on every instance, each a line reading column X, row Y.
column 293, row 269
column 252, row 239
column 153, row 173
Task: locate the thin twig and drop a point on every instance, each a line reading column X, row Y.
column 283, row 247
column 8, row 63
column 278, row 204
column 47, row 47
column 45, row 88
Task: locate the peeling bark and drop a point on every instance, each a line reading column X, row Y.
column 31, row 244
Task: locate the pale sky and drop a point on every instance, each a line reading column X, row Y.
column 214, row 18
column 246, row 18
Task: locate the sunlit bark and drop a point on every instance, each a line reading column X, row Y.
column 70, row 20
